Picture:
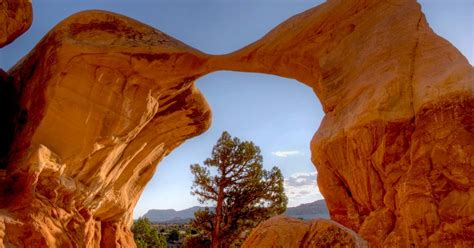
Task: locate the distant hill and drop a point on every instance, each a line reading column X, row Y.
column 313, row 210
column 307, row 211
column 171, row 216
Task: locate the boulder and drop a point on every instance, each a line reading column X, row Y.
column 287, row 232
column 15, row 18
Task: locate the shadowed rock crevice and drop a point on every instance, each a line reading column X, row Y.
column 9, row 111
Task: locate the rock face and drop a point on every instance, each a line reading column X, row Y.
column 286, row 232
column 15, row 18
column 395, row 150
column 102, row 99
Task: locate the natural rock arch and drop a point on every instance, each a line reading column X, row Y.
column 394, row 151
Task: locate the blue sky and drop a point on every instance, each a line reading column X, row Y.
column 278, row 114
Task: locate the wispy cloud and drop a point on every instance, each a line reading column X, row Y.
column 285, row 154
column 301, row 188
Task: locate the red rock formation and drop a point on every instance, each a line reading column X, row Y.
column 102, row 98
column 286, row 232
column 395, row 150
column 15, row 18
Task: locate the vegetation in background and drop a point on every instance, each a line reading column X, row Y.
column 243, row 193
column 173, row 236
column 197, row 241
column 147, row 236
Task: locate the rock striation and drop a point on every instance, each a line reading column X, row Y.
column 15, row 18
column 103, row 98
column 286, row 232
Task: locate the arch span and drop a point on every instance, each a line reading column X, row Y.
column 104, row 98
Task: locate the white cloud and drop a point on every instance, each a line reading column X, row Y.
column 285, row 154
column 302, row 188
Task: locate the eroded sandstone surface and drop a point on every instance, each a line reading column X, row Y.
column 286, row 232
column 15, row 18
column 103, row 98
column 395, row 150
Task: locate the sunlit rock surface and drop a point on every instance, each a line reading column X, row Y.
column 395, row 150
column 102, row 98
column 15, row 18
column 286, row 232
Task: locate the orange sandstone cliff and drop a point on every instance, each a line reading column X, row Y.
column 102, row 99
column 395, row 150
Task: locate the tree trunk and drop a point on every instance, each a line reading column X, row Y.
column 215, row 242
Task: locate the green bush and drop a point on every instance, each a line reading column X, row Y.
column 145, row 235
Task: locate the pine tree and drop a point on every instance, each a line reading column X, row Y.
column 243, row 193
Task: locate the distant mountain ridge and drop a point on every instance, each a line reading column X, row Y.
column 308, row 211
column 171, row 215
column 313, row 210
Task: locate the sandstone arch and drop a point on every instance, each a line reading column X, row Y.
column 394, row 151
